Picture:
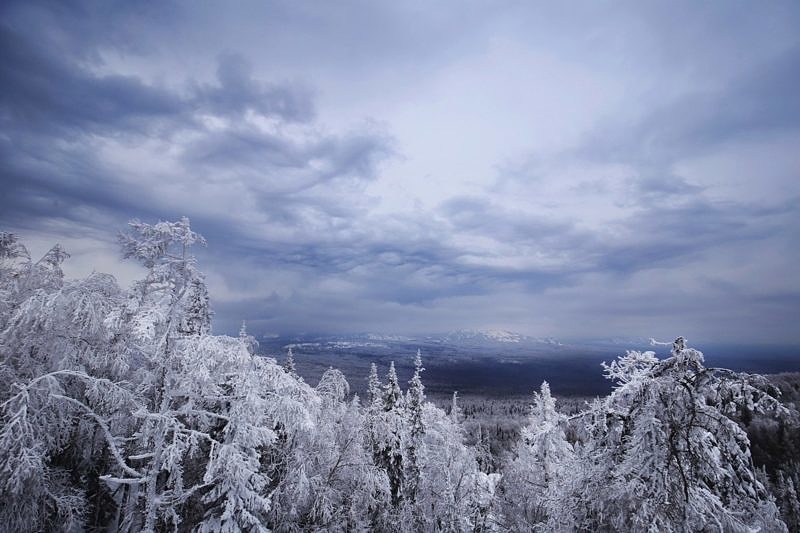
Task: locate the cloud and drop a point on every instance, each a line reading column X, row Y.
column 479, row 216
column 237, row 92
column 47, row 92
column 673, row 236
column 414, row 168
column 757, row 104
column 67, row 123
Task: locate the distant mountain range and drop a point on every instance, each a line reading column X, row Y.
column 494, row 361
column 489, row 341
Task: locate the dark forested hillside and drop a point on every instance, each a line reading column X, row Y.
column 121, row 411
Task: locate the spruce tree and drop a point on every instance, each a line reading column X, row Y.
column 392, row 434
column 288, row 364
column 415, row 399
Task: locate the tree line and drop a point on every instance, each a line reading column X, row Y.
column 121, row 411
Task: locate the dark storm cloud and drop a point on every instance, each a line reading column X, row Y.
column 403, row 261
column 81, row 29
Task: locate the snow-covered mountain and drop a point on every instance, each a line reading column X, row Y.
column 494, row 336
column 471, row 335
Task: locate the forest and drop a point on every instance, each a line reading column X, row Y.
column 121, row 411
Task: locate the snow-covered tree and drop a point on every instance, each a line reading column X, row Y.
column 392, row 394
column 288, row 364
column 392, row 428
column 49, row 436
column 453, row 494
column 15, row 263
column 260, row 394
column 373, row 386
column 376, row 440
column 665, row 453
column 415, row 400
column 61, row 403
column 248, row 340
column 329, row 481
column 171, row 301
column 785, row 490
column 165, row 319
column 196, row 314
column 533, row 481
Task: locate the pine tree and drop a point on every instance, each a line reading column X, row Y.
column 788, row 500
column 237, row 499
column 415, row 399
column 534, row 480
column 196, row 315
column 452, row 494
column 288, row 364
column 455, row 410
column 391, row 435
column 373, row 386
column 247, row 340
column 392, row 394
column 376, row 431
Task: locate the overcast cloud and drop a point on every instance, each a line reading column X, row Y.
column 571, row 170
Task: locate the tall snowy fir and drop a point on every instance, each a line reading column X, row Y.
column 288, row 364
column 533, row 481
column 392, row 430
column 392, row 394
column 415, row 398
column 373, row 386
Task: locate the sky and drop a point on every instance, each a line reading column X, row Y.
column 559, row 169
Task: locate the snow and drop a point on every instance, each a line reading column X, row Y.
column 119, row 410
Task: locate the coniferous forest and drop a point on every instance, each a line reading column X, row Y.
column 120, row 410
